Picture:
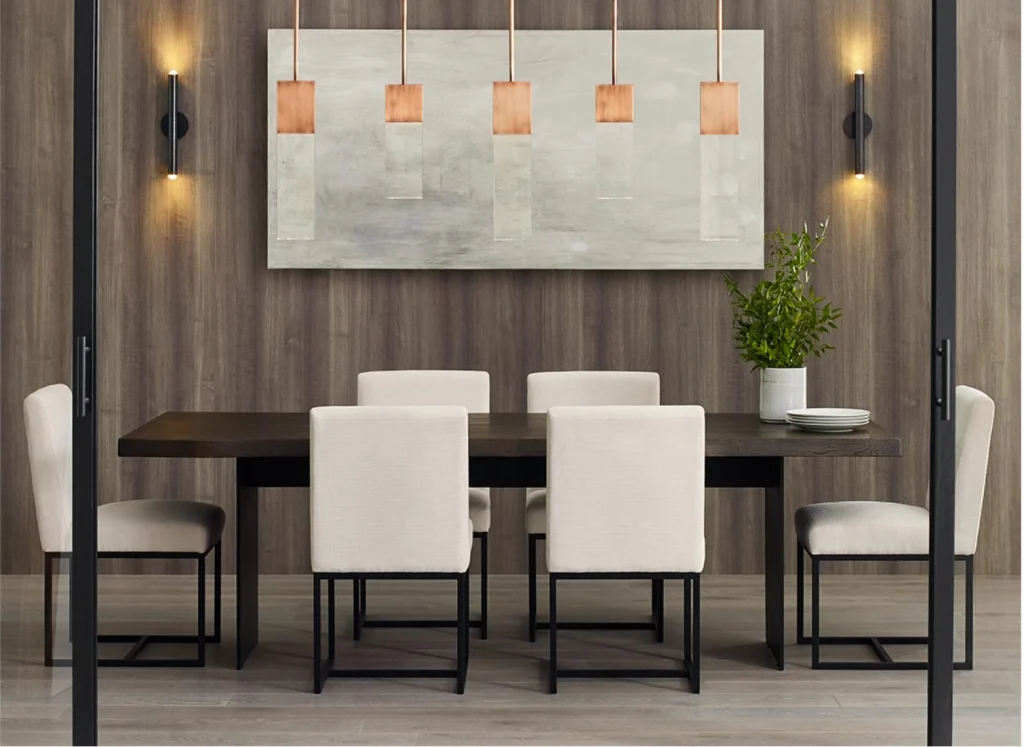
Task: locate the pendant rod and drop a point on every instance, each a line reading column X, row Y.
column 512, row 41
column 295, row 45
column 615, row 42
column 405, row 40
column 720, row 24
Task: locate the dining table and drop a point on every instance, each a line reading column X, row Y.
column 506, row 450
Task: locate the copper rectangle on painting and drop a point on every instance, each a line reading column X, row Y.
column 403, row 103
column 296, row 107
column 614, row 103
column 513, row 105
column 719, row 108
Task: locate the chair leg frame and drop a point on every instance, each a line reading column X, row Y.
column 691, row 629
column 656, row 624
column 324, row 668
column 876, row 643
column 360, row 620
column 130, row 659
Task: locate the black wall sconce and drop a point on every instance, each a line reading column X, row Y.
column 858, row 125
column 174, row 125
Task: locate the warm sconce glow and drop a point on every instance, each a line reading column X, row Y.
column 859, row 176
column 172, row 72
column 172, row 177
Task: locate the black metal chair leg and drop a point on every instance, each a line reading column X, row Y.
column 217, row 592
column 318, row 683
column 969, row 612
column 483, row 586
column 552, row 634
column 695, row 669
column 532, row 552
column 48, row 610
column 357, row 613
column 462, row 643
column 658, row 600
column 201, row 612
column 815, row 613
column 687, row 623
column 799, row 594
column 330, row 618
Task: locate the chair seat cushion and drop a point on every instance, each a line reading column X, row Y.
column 537, row 511
column 480, row 509
column 863, row 528
column 158, row 526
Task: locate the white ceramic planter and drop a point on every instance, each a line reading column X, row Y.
column 782, row 389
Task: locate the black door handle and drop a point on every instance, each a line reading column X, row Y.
column 82, row 366
column 945, row 398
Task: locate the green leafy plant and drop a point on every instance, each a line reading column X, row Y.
column 782, row 320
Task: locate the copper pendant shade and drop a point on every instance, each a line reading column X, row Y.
column 719, row 101
column 513, row 103
column 296, row 99
column 614, row 103
column 404, row 102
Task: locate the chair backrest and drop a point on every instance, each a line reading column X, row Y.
column 388, row 489
column 625, row 489
column 48, row 427
column 470, row 389
column 549, row 389
column 975, row 414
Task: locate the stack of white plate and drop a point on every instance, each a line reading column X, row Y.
column 828, row 419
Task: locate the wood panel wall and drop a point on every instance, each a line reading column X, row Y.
column 192, row 319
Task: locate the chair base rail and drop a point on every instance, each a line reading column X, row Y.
column 690, row 669
column 360, row 619
column 877, row 644
column 656, row 624
column 141, row 642
column 324, row 668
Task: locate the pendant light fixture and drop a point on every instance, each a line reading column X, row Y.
column 719, row 101
column 403, row 129
column 296, row 153
column 513, row 149
column 614, row 117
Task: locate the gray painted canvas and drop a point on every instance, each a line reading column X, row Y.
column 666, row 224
column 403, row 169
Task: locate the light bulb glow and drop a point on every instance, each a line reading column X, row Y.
column 860, row 176
column 859, row 72
column 172, row 177
column 173, row 72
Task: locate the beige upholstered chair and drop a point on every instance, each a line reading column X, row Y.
column 130, row 529
column 388, row 500
column 626, row 501
column 470, row 389
column 877, row 530
column 554, row 388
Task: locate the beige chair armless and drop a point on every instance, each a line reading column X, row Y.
column 469, row 389
column 388, row 500
column 554, row 388
column 147, row 529
column 626, row 501
column 877, row 530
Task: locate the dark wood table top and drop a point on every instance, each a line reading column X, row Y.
column 286, row 434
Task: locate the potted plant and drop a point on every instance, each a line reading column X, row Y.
column 782, row 321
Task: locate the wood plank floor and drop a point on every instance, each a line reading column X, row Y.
column 742, row 700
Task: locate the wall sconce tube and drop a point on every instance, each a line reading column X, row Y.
column 858, row 126
column 174, row 125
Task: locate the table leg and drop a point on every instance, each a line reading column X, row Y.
column 247, row 569
column 775, row 567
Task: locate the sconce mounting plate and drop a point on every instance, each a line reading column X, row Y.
column 850, row 125
column 182, row 125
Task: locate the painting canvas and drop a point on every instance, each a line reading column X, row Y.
column 685, row 210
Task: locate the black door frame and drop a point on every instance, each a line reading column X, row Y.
column 942, row 472
column 85, row 193
column 943, row 411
